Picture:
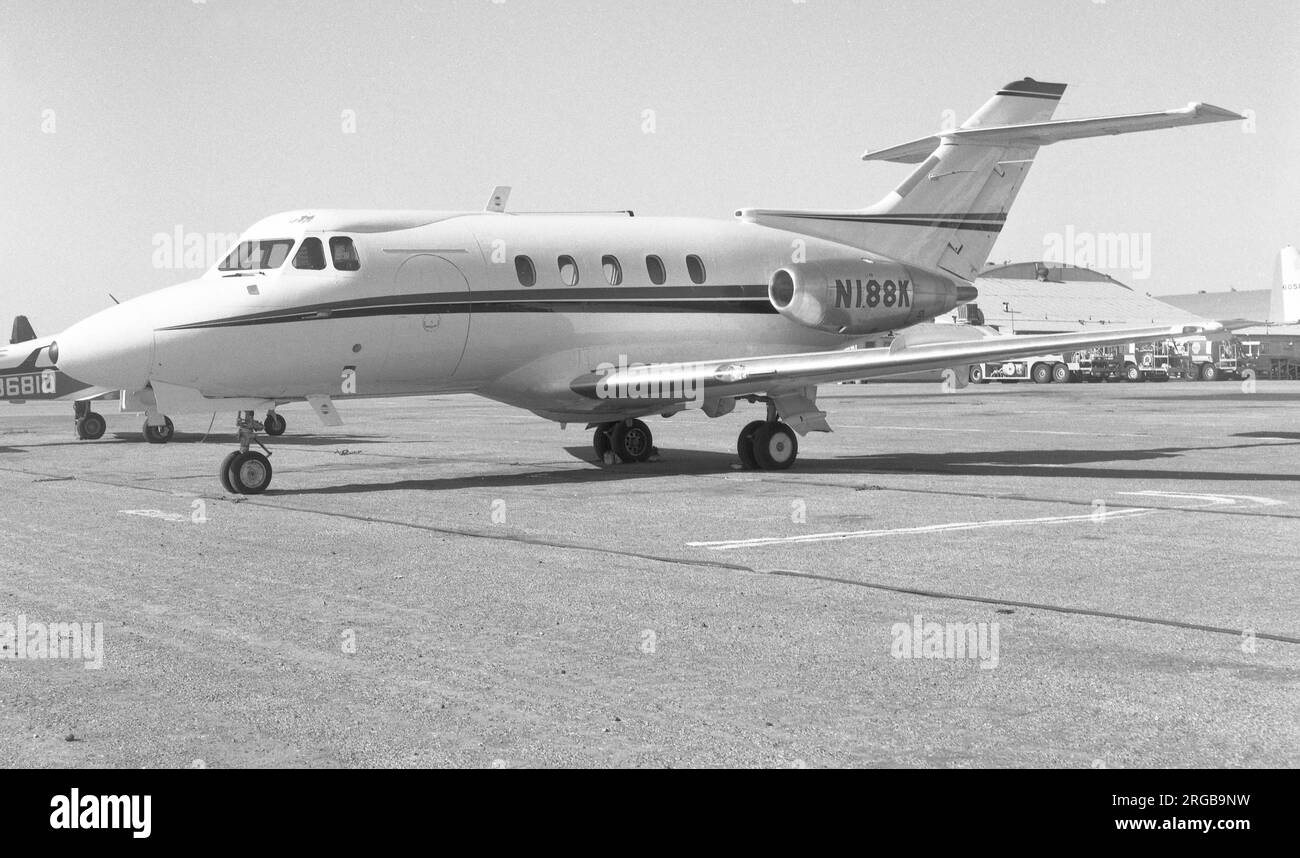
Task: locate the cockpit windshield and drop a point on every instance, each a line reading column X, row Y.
column 257, row 255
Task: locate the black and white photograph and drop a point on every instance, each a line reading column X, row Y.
column 580, row 384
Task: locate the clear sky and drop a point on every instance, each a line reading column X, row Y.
column 123, row 120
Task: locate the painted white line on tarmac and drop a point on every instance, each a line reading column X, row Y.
column 1210, row 500
column 1096, row 516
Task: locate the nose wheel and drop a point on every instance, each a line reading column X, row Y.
column 246, row 471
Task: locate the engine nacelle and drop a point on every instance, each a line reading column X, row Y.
column 855, row 297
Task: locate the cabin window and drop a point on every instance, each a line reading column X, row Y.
column 344, row 253
column 654, row 266
column 257, row 255
column 568, row 271
column 525, row 271
column 613, row 270
column 310, row 255
column 695, row 267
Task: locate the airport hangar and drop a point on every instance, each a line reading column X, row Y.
column 1051, row 298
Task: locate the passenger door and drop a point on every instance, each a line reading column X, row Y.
column 429, row 341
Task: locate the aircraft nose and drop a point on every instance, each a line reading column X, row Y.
column 113, row 348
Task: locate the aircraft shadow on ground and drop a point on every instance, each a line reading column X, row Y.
column 1233, row 395
column 1286, row 436
column 1076, row 464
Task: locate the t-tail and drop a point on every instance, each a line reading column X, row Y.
column 947, row 214
column 1284, row 309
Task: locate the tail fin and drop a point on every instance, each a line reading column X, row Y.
column 1285, row 306
column 22, row 331
column 948, row 213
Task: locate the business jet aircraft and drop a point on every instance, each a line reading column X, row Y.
column 599, row 319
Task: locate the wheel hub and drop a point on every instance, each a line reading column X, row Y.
column 634, row 441
column 251, row 473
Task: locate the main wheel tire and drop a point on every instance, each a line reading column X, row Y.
column 274, row 424
column 1209, row 372
column 1041, row 373
column 775, row 446
column 223, row 473
column 977, row 375
column 1132, row 373
column 633, row 441
column 745, row 445
column 91, row 427
column 600, row 440
column 1060, row 373
column 250, row 473
column 159, row 434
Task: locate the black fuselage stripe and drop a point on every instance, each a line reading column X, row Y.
column 471, row 305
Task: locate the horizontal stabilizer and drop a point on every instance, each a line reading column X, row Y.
column 1043, row 133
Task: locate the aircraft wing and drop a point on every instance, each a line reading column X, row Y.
column 926, row 347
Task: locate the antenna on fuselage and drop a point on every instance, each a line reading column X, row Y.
column 497, row 202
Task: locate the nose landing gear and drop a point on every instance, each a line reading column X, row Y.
column 245, row 471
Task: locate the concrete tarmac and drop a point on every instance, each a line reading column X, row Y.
column 446, row 581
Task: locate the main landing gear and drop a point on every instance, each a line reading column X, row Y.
column 626, row 441
column 245, row 471
column 764, row 445
column 767, row 445
column 159, row 434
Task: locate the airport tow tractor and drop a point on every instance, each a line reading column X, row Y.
column 601, row 319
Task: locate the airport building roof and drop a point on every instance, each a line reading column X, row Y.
column 1251, row 304
column 1048, row 297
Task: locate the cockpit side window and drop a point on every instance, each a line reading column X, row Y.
column 344, row 254
column 310, row 255
column 257, row 255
